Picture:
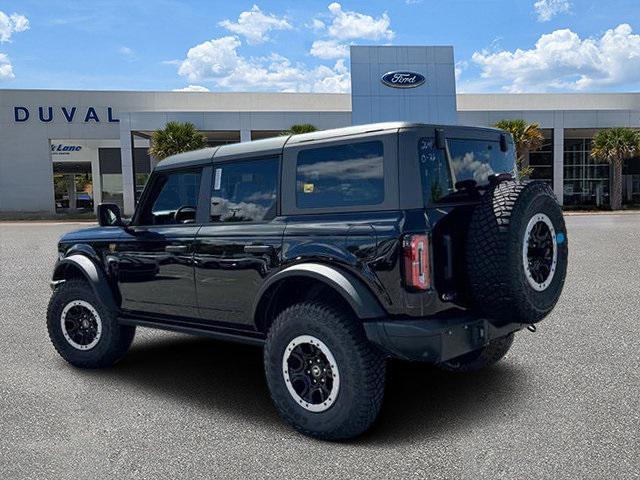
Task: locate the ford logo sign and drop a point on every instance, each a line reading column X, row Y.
column 401, row 79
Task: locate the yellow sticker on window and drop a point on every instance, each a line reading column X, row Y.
column 308, row 188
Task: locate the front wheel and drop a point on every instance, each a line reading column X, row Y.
column 83, row 330
column 325, row 378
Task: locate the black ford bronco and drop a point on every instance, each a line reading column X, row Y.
column 333, row 250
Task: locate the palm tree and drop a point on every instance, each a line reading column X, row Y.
column 614, row 146
column 300, row 128
column 527, row 138
column 176, row 137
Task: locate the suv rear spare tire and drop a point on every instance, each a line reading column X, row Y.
column 517, row 252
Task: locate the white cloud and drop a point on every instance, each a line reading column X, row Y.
column 316, row 25
column 10, row 24
column 211, row 59
column 192, row 88
column 128, row 53
column 561, row 60
column 348, row 25
column 329, row 49
column 460, row 67
column 218, row 61
column 254, row 25
column 6, row 70
column 547, row 9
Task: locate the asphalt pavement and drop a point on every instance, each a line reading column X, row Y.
column 564, row 403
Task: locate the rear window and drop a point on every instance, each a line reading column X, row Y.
column 479, row 159
column 340, row 175
column 437, row 182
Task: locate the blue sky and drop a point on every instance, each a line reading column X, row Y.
column 500, row 46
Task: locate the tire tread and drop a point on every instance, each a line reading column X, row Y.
column 370, row 359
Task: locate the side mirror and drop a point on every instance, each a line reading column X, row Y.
column 440, row 139
column 109, row 215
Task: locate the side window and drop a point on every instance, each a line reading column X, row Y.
column 245, row 191
column 434, row 171
column 173, row 199
column 478, row 159
column 340, row 175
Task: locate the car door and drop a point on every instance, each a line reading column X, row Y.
column 242, row 242
column 155, row 255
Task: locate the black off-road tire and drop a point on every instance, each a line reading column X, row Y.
column 481, row 358
column 360, row 366
column 114, row 339
column 501, row 285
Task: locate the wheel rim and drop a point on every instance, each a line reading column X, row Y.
column 311, row 373
column 81, row 325
column 540, row 252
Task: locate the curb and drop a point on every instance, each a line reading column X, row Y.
column 583, row 214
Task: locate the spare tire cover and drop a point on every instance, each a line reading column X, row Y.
column 517, row 251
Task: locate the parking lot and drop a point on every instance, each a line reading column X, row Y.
column 563, row 404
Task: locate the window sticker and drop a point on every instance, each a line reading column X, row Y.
column 217, row 182
column 308, row 188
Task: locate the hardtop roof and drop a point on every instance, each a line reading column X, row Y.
column 274, row 145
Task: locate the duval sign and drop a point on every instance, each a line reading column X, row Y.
column 402, row 79
column 69, row 114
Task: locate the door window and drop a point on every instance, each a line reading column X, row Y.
column 245, row 191
column 340, row 175
column 174, row 199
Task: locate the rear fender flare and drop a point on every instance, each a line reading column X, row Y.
column 353, row 290
column 92, row 273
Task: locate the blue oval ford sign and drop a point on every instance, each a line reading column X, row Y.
column 402, row 79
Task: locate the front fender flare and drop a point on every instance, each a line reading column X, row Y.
column 352, row 289
column 92, row 273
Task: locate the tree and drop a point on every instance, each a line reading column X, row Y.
column 527, row 137
column 614, row 146
column 176, row 137
column 300, row 128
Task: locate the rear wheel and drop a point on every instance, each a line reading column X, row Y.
column 481, row 358
column 325, row 378
column 83, row 330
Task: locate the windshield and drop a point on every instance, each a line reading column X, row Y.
column 474, row 160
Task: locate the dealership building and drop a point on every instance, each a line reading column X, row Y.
column 63, row 151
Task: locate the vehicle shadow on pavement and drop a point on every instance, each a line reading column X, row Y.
column 222, row 378
column 420, row 400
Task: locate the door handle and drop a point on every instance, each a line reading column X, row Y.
column 176, row 248
column 258, row 248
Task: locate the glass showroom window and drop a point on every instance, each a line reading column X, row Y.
column 542, row 159
column 635, row 188
column 586, row 181
column 111, row 175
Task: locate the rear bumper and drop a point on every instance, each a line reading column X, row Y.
column 434, row 340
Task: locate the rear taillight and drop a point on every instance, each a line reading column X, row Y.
column 416, row 262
